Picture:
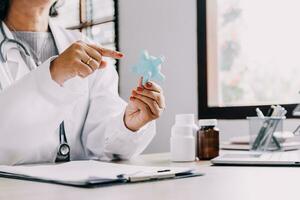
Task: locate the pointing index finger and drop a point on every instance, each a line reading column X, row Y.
column 107, row 52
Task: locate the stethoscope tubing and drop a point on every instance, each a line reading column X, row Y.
column 9, row 40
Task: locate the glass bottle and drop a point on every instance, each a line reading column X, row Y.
column 207, row 139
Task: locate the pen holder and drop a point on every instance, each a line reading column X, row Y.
column 262, row 133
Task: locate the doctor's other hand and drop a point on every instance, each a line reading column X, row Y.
column 80, row 59
column 147, row 103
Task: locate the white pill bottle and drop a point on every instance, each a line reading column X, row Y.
column 182, row 142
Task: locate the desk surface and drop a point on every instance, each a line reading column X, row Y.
column 234, row 183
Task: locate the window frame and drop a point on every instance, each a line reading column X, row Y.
column 205, row 111
column 83, row 23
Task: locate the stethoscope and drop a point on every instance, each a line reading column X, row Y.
column 63, row 151
column 7, row 40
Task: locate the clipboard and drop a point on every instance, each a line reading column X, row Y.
column 92, row 173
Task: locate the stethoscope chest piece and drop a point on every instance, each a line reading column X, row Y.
column 64, row 149
column 63, row 153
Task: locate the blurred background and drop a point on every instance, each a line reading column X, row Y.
column 224, row 58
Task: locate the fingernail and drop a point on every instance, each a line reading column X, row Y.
column 131, row 98
column 140, row 89
column 121, row 55
column 148, row 84
column 134, row 92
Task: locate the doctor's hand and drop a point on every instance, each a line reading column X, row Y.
column 80, row 59
column 147, row 103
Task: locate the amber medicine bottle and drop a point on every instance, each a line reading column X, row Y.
column 207, row 139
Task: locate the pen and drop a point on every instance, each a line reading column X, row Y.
column 121, row 176
column 259, row 113
column 165, row 170
column 265, row 134
column 270, row 111
column 261, row 134
column 279, row 112
column 267, row 124
column 275, row 111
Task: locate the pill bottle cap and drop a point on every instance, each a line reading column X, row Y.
column 185, row 119
column 208, row 122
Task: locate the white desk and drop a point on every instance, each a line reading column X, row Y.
column 232, row 183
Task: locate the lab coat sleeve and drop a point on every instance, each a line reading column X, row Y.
column 105, row 136
column 31, row 110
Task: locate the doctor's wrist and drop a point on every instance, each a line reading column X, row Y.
column 54, row 72
column 130, row 126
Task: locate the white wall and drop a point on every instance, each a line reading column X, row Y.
column 163, row 27
column 168, row 27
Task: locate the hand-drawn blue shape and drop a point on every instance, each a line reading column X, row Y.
column 149, row 67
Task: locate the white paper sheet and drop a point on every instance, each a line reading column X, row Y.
column 83, row 171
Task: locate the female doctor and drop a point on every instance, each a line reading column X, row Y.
column 59, row 98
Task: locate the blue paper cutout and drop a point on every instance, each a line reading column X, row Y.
column 149, row 67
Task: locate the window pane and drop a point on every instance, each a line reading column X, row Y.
column 99, row 9
column 253, row 52
column 69, row 14
column 104, row 33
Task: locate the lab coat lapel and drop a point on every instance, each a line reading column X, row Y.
column 63, row 39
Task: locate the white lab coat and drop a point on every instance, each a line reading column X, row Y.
column 32, row 106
